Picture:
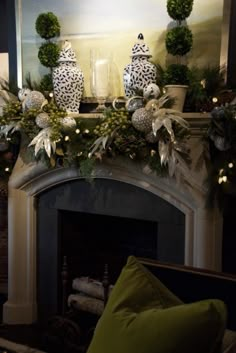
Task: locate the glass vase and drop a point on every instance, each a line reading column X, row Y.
column 100, row 78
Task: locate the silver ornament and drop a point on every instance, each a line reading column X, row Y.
column 23, row 93
column 34, row 100
column 42, row 120
column 134, row 103
column 151, row 138
column 142, row 120
column 68, row 123
column 151, row 91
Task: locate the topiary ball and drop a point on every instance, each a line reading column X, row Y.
column 47, row 25
column 49, row 54
column 179, row 10
column 179, row 41
column 46, row 84
column 176, row 74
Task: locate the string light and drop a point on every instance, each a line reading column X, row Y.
column 230, row 165
column 152, row 153
column 7, row 169
column 203, row 83
column 214, row 99
column 79, row 154
column 77, row 131
column 221, row 171
column 67, row 138
column 86, row 131
column 224, row 178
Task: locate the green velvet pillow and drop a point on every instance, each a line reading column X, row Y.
column 143, row 316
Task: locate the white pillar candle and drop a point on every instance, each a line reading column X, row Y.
column 101, row 75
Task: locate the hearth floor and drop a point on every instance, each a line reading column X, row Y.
column 29, row 335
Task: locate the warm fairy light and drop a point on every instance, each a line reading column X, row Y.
column 214, row 99
column 89, row 155
column 224, row 178
column 152, row 153
column 66, row 138
column 221, row 171
column 51, row 94
column 7, row 169
column 220, row 180
column 77, row 131
column 79, row 154
column 230, row 165
column 86, row 131
column 203, row 83
column 8, row 139
column 164, row 90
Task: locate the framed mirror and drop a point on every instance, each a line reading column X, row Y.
column 114, row 27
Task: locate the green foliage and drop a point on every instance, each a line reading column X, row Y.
column 49, row 54
column 214, row 79
column 179, row 41
column 220, row 155
column 176, row 74
column 179, row 10
column 46, row 84
column 47, row 25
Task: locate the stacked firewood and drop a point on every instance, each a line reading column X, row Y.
column 89, row 295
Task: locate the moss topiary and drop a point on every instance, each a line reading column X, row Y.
column 179, row 10
column 47, row 25
column 49, row 54
column 177, row 74
column 179, row 41
column 46, row 83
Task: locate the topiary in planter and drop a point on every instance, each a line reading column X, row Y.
column 47, row 25
column 179, row 41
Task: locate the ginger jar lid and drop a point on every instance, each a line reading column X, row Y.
column 140, row 48
column 67, row 53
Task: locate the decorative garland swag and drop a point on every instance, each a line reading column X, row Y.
column 152, row 133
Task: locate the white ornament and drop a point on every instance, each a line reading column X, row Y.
column 42, row 120
column 151, row 91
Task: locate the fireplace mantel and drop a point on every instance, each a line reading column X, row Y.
column 203, row 227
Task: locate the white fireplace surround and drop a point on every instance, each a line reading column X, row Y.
column 203, row 227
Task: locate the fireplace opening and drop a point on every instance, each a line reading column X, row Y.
column 90, row 241
column 100, row 223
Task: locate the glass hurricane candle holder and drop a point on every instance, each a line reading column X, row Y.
column 100, row 78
